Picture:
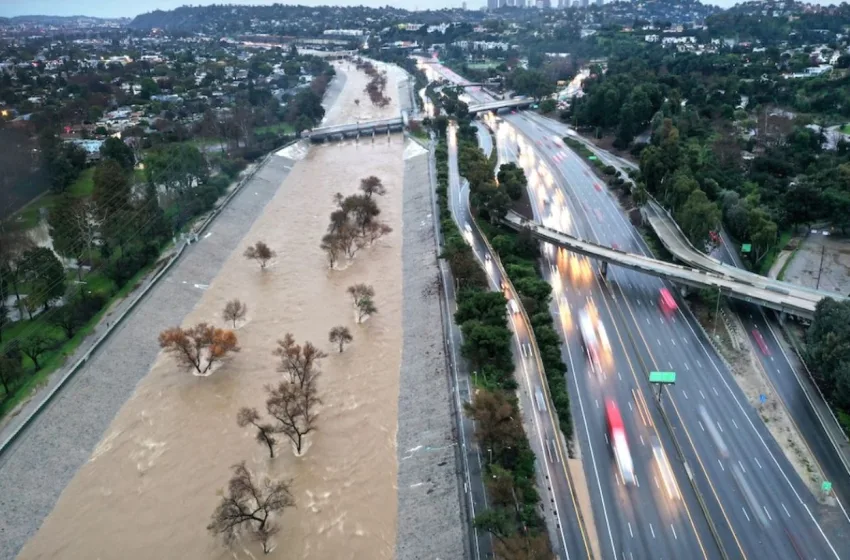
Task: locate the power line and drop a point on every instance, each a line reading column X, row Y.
column 45, row 315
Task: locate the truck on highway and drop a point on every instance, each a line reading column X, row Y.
column 619, row 444
column 588, row 337
column 512, row 305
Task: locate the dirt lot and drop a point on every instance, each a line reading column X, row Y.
column 805, row 265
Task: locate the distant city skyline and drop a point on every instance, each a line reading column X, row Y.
column 99, row 8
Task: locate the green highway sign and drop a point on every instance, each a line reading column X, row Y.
column 592, row 158
column 826, row 487
column 746, row 248
column 662, row 376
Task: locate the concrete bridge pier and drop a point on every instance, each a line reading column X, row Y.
column 603, row 269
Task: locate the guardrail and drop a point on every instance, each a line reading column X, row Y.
column 72, row 371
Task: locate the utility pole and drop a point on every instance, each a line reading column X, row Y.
column 820, row 268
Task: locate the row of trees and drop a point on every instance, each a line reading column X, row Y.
column 698, row 137
column 828, row 351
column 377, row 83
column 354, row 224
column 513, row 517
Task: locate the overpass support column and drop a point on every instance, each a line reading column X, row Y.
column 603, row 268
column 782, row 317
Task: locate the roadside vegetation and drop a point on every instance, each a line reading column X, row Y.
column 513, row 518
column 828, row 355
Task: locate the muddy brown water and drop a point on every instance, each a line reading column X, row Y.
column 153, row 481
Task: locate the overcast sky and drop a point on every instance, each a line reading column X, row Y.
column 103, row 8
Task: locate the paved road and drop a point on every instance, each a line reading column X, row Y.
column 627, row 527
column 545, row 440
column 758, row 504
column 762, row 326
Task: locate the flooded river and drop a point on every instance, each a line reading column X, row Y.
column 156, row 476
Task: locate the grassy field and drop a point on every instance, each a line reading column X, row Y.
column 280, row 128
column 846, row 128
column 81, row 188
column 52, row 360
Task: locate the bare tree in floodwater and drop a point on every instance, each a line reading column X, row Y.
column 265, row 432
column 248, row 506
column 340, row 335
column 194, row 346
column 233, row 311
column 332, row 246
column 372, row 185
column 360, row 291
column 261, row 253
column 365, row 308
column 300, row 362
column 293, row 406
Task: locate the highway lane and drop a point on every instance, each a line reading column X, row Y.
column 763, row 332
column 770, row 492
column 546, row 441
column 762, row 328
column 633, row 529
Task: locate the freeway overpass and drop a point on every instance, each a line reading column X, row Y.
column 356, row 130
column 504, row 104
column 675, row 241
column 775, row 298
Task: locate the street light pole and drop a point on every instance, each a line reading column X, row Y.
column 716, row 312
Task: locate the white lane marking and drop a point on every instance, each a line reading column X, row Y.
column 685, row 393
column 674, row 532
column 756, row 459
column 652, row 530
column 700, row 425
column 720, row 426
column 647, row 321
column 641, row 440
column 742, row 466
column 786, row 510
column 721, row 465
column 699, row 364
column 655, row 478
column 767, row 512
column 745, row 513
column 630, row 407
column 630, row 529
column 715, row 390
column 619, row 376
column 734, row 423
column 702, row 395
column 592, row 454
column 597, row 403
column 766, row 448
column 687, row 367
